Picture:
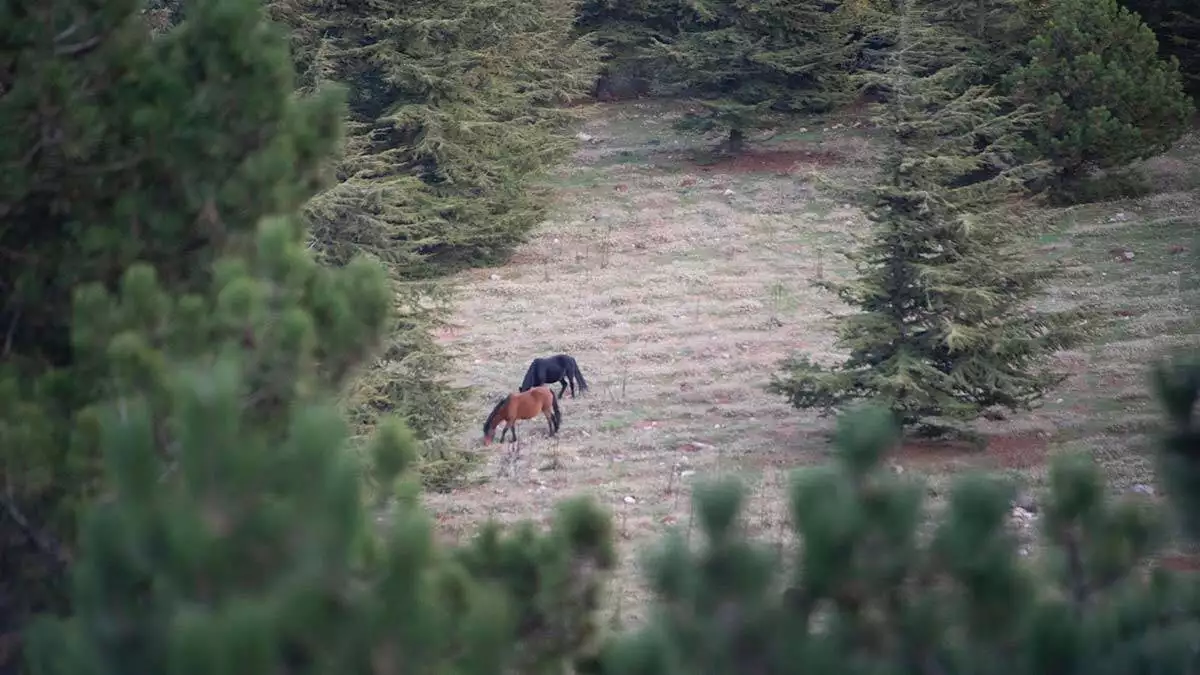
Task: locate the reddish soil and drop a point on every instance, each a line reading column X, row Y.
column 1017, row 451
column 1181, row 562
column 773, row 161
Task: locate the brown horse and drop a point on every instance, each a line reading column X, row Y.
column 522, row 406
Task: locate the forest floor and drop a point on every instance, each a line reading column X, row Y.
column 679, row 284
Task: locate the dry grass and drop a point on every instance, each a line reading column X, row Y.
column 678, row 287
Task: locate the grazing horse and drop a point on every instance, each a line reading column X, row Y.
column 560, row 368
column 522, row 406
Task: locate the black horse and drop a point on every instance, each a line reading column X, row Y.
column 559, row 368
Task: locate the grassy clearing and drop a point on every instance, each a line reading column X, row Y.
column 678, row 285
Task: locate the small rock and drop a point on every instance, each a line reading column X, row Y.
column 1023, row 552
column 584, row 137
column 495, row 277
column 728, row 192
column 630, row 500
column 1142, row 488
column 686, row 472
column 1026, row 502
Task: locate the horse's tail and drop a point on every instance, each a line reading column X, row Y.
column 530, row 380
column 579, row 375
column 495, row 411
column 557, row 412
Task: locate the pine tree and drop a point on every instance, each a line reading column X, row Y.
column 166, row 150
column 1109, row 98
column 946, row 282
column 745, row 63
column 257, row 555
column 1178, row 387
column 627, row 30
column 454, row 117
column 865, row 591
column 1176, row 23
column 996, row 32
column 455, row 113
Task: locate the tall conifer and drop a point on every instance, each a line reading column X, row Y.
column 745, row 63
column 946, row 284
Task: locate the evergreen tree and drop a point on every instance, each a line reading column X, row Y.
column 454, row 116
column 996, row 32
column 166, row 151
column 257, row 555
column 1109, row 98
column 1178, row 387
column 627, row 30
column 745, row 63
column 866, row 592
column 455, row 112
column 1176, row 23
column 945, row 282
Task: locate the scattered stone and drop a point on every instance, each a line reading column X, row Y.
column 1142, row 488
column 728, row 192
column 495, row 277
column 630, row 500
column 686, row 472
column 1026, row 502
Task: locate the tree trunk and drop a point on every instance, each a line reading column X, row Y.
column 737, row 140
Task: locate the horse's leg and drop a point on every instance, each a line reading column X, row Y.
column 549, row 419
column 563, row 382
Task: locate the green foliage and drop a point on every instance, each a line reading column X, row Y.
column 1178, row 387
column 1177, row 25
column 627, row 30
column 137, row 162
column 744, row 64
column 946, row 279
column 996, row 32
column 867, row 592
column 257, row 555
column 455, row 113
column 1108, row 97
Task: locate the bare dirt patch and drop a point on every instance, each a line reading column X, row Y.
column 679, row 290
column 999, row 451
column 776, row 161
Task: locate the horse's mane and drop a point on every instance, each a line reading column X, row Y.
column 492, row 415
column 530, row 375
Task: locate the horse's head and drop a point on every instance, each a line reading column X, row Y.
column 493, row 421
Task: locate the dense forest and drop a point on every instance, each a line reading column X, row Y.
column 216, row 429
